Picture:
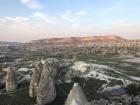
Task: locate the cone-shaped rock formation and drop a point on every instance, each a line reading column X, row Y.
column 76, row 96
column 35, row 79
column 11, row 80
column 46, row 88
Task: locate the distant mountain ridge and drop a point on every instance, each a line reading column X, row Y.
column 78, row 40
column 11, row 43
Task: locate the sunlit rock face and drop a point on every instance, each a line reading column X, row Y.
column 81, row 66
column 11, row 80
column 46, row 88
column 76, row 96
column 35, row 79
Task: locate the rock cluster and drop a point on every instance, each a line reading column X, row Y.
column 43, row 82
column 11, row 80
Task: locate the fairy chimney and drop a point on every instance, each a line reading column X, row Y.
column 11, row 80
column 46, row 88
column 35, row 79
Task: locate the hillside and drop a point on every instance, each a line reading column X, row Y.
column 77, row 40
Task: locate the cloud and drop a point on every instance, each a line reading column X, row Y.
column 123, row 28
column 25, row 28
column 108, row 11
column 43, row 17
column 81, row 13
column 33, row 4
column 28, row 28
column 16, row 19
column 39, row 25
column 70, row 16
column 111, row 9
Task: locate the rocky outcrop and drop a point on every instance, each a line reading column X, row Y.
column 11, row 80
column 42, row 84
column 76, row 96
column 53, row 66
column 46, row 88
column 35, row 79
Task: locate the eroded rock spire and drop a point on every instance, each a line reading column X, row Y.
column 42, row 84
column 11, row 80
column 35, row 79
column 46, row 88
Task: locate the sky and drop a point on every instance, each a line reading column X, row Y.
column 26, row 20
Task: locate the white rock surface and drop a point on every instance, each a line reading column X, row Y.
column 80, row 66
column 76, row 96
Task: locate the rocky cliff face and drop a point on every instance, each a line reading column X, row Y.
column 11, row 80
column 75, row 40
